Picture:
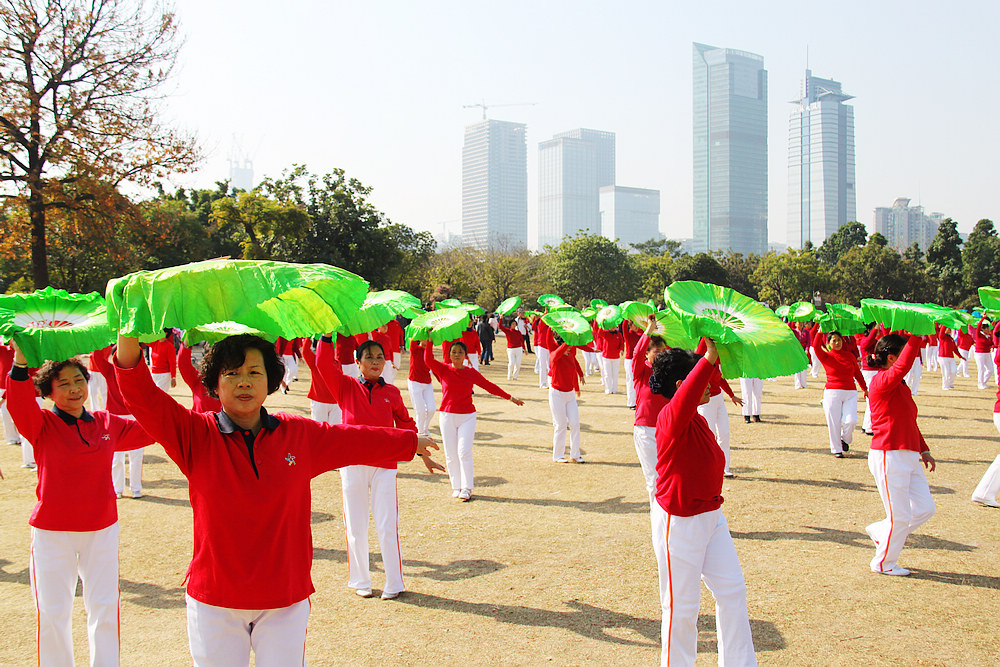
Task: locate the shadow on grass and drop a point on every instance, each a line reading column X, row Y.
column 849, row 538
column 157, row 500
column 179, row 483
column 152, row 596
column 957, row 578
column 12, row 577
column 455, row 570
column 485, row 481
column 616, row 505
column 766, row 636
column 843, row 484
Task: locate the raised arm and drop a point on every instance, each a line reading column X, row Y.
column 431, row 362
column 330, row 372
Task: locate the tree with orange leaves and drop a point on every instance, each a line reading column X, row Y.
column 79, row 86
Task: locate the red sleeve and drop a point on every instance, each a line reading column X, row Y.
column 331, row 373
column 478, row 379
column 821, row 354
column 859, row 378
column 726, row 388
column 23, row 407
column 400, row 417
column 904, row 362
column 639, row 354
column 433, row 363
column 682, row 408
column 172, row 358
column 188, row 372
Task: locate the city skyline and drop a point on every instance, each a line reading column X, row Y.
column 394, row 119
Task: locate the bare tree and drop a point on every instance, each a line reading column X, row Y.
column 80, row 83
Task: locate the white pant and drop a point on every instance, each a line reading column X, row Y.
column 326, row 413
column 57, row 558
column 841, row 409
column 690, row 549
column 162, row 380
column 473, row 360
column 948, row 371
column 11, row 436
column 984, row 368
column 814, row 364
column 27, row 448
column 932, row 358
column 752, row 390
column 717, row 416
column 98, row 388
column 542, row 366
column 457, row 433
column 422, row 398
column 902, row 485
column 134, row 468
column 514, row 355
column 565, row 414
column 397, row 358
column 866, row 425
column 801, row 381
column 591, row 363
column 629, row 385
column 351, row 370
column 611, row 368
column 222, row 637
column 389, row 373
column 364, row 487
column 644, row 438
column 989, row 485
column 291, row 368
column 913, row 377
column 963, row 362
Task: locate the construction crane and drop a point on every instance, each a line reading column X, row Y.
column 484, row 106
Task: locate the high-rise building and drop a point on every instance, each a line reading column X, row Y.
column 572, row 168
column 630, row 215
column 495, row 184
column 821, row 194
column 730, row 150
column 903, row 225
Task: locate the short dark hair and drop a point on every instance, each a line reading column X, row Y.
column 231, row 352
column 886, row 345
column 658, row 341
column 460, row 344
column 360, row 352
column 50, row 370
column 670, row 366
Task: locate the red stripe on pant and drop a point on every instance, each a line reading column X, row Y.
column 888, row 501
column 670, row 587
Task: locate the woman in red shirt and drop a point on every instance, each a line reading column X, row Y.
column 989, row 486
column 840, row 395
column 74, row 526
column 896, row 453
column 201, row 400
column 323, row 405
column 565, row 378
column 249, row 475
column 420, row 388
column 647, row 404
column 457, row 414
column 947, row 351
column 690, row 534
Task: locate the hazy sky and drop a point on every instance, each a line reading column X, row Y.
column 377, row 88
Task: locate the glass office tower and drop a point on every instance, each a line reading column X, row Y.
column 730, row 150
column 495, row 184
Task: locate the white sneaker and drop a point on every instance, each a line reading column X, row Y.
column 895, row 571
column 871, row 534
column 465, row 495
column 363, row 592
column 137, row 494
column 454, row 494
column 386, row 595
column 560, row 460
column 983, row 501
column 578, row 459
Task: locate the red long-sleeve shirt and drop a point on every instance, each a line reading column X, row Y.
column 965, row 341
column 251, row 502
column 612, row 343
column 419, row 372
column 163, row 357
column 318, row 391
column 631, row 337
column 363, row 403
column 515, row 339
column 346, row 347
column 842, row 370
column 564, row 369
column 74, row 488
column 947, row 347
column 201, row 400
column 284, row 347
column 456, row 385
column 982, row 341
column 647, row 404
column 894, row 414
column 868, row 343
column 396, row 336
column 100, row 362
column 716, row 384
column 689, row 462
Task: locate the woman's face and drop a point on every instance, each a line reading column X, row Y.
column 69, row 391
column 372, row 362
column 652, row 351
column 242, row 390
column 836, row 342
column 457, row 356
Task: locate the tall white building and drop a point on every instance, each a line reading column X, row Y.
column 903, row 225
column 821, row 183
column 572, row 168
column 630, row 215
column 495, row 184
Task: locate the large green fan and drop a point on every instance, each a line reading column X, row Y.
column 283, row 299
column 472, row 309
column 637, row 312
column 842, row 318
column 571, row 326
column 447, row 303
column 378, row 309
column 803, row 311
column 952, row 318
column 589, row 313
column 52, row 324
column 509, row 306
column 597, row 304
column 990, row 297
column 550, row 300
column 609, row 317
column 915, row 318
column 672, row 331
column 532, row 313
column 752, row 341
column 563, row 308
column 438, row 325
column 782, row 311
column 216, row 331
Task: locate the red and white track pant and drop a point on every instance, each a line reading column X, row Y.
column 514, row 355
column 913, row 377
column 223, row 637
column 690, row 549
column 902, row 485
column 134, row 468
column 841, row 409
column 752, row 390
column 629, row 384
column 457, row 433
column 963, row 362
column 542, row 366
column 364, row 487
column 565, row 415
column 717, row 416
column 291, row 368
column 989, row 485
column 611, row 367
column 866, row 424
column 644, row 438
column 948, row 372
column 984, row 368
column 422, row 398
column 326, row 413
column 57, row 558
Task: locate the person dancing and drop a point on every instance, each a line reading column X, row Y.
column 840, row 395
column 565, row 378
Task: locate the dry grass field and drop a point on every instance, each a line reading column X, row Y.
column 552, row 564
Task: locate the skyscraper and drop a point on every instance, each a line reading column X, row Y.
column 572, row 168
column 495, row 184
column 903, row 225
column 730, row 150
column 630, row 215
column 821, row 194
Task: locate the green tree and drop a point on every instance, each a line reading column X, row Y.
column 702, row 267
column 944, row 263
column 655, row 273
column 851, row 235
column 874, row 271
column 504, row 272
column 657, row 247
column 794, row 275
column 588, row 266
column 981, row 257
column 914, row 253
column 739, row 271
column 265, row 228
column 79, row 88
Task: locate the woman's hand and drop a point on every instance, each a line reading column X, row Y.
column 711, row 352
column 432, row 465
column 928, row 461
column 19, row 358
column 424, row 445
column 128, row 353
column 516, row 401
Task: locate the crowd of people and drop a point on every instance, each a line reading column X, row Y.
column 239, row 459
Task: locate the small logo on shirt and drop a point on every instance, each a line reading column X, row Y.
column 290, row 459
column 105, row 437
